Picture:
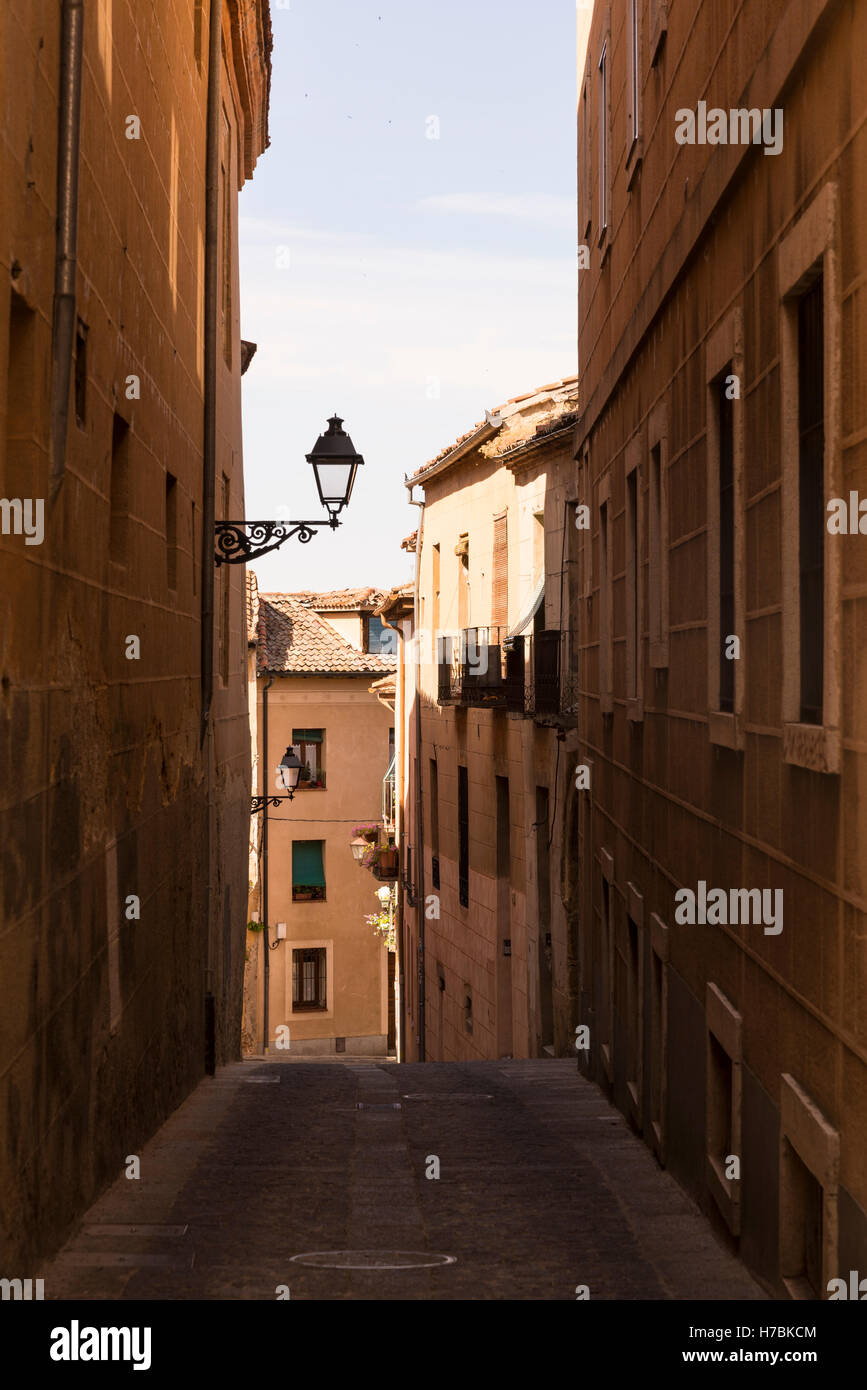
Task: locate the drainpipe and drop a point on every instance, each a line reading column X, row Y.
column 209, row 452
column 266, row 1021
column 209, row 472
column 66, row 240
column 400, row 696
column 419, row 805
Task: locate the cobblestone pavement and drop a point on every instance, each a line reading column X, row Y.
column 542, row 1188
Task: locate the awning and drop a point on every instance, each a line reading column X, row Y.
column 530, row 609
column 307, row 869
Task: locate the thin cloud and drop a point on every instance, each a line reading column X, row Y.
column 519, row 207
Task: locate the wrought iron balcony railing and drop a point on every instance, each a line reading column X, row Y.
column 388, row 797
column 551, row 675
column 535, row 675
column 481, row 667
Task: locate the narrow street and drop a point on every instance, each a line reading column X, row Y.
column 542, row 1188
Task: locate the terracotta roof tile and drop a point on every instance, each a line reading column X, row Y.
column 294, row 640
column 341, row 600
column 567, row 384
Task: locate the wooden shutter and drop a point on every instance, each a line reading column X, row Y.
column 500, row 573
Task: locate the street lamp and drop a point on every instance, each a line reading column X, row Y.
column 288, row 770
column 335, row 464
column 358, row 846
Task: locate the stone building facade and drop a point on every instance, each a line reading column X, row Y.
column 124, row 767
column 490, row 969
column 330, row 975
column 720, row 852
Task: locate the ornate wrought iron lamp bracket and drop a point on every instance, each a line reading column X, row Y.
column 240, row 541
column 258, row 803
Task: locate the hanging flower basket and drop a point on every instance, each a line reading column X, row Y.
column 369, row 832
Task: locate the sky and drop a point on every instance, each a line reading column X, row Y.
column 407, row 253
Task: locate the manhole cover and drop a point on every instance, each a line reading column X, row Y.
column 372, row 1259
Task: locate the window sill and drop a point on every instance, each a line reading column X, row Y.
column 725, row 1192
column 633, row 162
column 724, row 729
column 813, row 746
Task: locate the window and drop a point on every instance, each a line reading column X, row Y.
column 81, row 332
column 500, row 572
column 657, row 539
column 380, row 639
column 603, row 141
column 463, row 837
column 435, row 584
column 634, row 587
column 633, row 94
column 726, row 504
column 545, row 955
column 811, row 465
column 309, row 744
column 585, row 173
column 809, row 1194
column 119, row 500
column 658, row 1032
column 723, row 1104
column 605, row 603
column 19, row 390
column 434, row 822
column 811, row 500
column 605, row 965
column 468, row 1007
column 724, row 442
column 658, row 28
column 225, row 176
column 308, row 979
column 198, row 33
column 308, row 873
column 462, row 550
column 172, row 530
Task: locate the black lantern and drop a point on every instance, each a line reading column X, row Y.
column 335, row 464
column 289, row 770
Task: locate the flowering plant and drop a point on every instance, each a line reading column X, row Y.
column 367, row 831
column 383, row 926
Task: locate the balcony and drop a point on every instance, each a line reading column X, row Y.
column 486, row 668
column 551, row 676
column 481, row 668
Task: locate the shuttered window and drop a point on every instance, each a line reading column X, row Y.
column 308, row 871
column 811, row 482
column 463, row 837
column 500, row 573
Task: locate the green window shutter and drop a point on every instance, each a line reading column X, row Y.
column 307, row 866
column 306, row 735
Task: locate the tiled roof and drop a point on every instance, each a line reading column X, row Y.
column 556, row 391
column 341, row 600
column 400, row 594
column 294, row 640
